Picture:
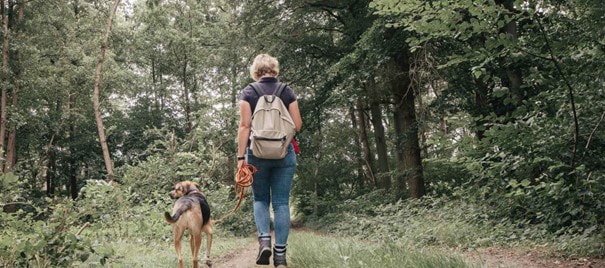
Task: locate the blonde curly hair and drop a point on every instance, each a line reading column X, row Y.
column 264, row 64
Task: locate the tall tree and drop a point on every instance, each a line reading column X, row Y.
column 95, row 97
column 5, row 77
column 11, row 154
column 407, row 144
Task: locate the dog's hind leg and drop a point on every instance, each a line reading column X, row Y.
column 196, row 242
column 208, row 230
column 178, row 234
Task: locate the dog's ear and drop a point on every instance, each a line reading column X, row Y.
column 196, row 185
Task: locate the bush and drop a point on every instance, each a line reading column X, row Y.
column 49, row 242
column 443, row 177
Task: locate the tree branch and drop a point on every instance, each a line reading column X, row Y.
column 594, row 130
column 570, row 93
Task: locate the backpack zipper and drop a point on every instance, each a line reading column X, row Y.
column 270, row 139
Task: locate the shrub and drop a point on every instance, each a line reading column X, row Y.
column 53, row 241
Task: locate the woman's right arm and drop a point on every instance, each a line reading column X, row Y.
column 295, row 114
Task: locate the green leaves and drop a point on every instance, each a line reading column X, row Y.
column 9, row 180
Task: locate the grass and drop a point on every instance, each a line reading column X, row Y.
column 128, row 253
column 311, row 250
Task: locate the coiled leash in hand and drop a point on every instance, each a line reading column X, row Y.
column 243, row 180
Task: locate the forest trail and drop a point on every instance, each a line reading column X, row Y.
column 244, row 257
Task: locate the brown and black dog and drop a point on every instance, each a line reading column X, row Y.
column 190, row 212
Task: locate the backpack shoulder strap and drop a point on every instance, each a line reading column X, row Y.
column 280, row 90
column 256, row 89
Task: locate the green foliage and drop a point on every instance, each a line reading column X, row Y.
column 45, row 238
column 447, row 222
column 444, row 177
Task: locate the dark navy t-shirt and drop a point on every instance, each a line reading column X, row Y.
column 268, row 85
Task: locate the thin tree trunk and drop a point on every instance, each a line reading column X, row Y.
column 73, row 181
column 513, row 73
column 400, row 186
column 424, row 152
column 96, row 93
column 50, row 171
column 482, row 108
column 368, row 158
column 11, row 152
column 318, row 158
column 360, row 171
column 186, row 97
column 5, row 78
column 379, row 136
column 231, row 159
column 381, row 146
column 443, row 126
column 153, row 85
column 11, row 157
column 71, row 104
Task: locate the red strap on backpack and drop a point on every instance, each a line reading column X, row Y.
column 295, row 145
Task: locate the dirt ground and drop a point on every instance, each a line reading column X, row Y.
column 241, row 258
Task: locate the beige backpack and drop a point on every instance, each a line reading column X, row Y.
column 272, row 127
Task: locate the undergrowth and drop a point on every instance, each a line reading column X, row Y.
column 449, row 223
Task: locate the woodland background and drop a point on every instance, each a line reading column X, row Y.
column 450, row 123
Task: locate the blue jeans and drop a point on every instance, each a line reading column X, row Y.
column 272, row 183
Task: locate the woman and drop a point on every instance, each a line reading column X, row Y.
column 273, row 180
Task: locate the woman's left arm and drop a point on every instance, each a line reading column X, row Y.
column 243, row 132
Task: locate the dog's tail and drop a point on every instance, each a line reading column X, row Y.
column 172, row 219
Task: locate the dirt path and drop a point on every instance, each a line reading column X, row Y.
column 243, row 257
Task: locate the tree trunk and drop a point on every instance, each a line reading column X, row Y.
column 50, row 171
column 411, row 157
column 368, row 157
column 443, row 126
column 379, row 136
column 96, row 93
column 360, row 164
column 73, row 181
column 71, row 104
column 406, row 131
column 318, row 193
column 11, row 152
column 513, row 74
column 11, row 157
column 186, row 98
column 5, row 78
column 422, row 128
column 482, row 108
column 232, row 123
column 381, row 146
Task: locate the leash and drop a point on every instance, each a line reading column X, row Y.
column 243, row 180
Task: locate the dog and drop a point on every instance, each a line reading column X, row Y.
column 190, row 212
